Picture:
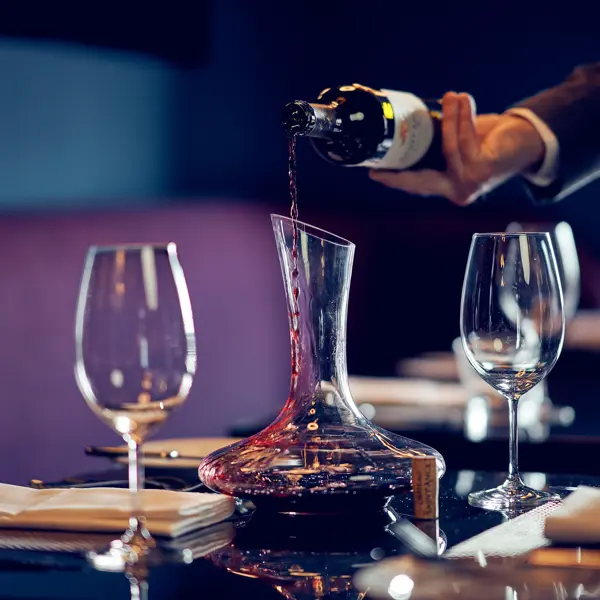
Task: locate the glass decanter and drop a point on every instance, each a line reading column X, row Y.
column 321, row 454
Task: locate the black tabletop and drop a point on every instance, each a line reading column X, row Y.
column 264, row 556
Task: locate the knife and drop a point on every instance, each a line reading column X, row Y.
column 117, row 452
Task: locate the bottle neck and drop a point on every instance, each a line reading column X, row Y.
column 309, row 119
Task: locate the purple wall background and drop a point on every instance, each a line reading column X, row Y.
column 230, row 260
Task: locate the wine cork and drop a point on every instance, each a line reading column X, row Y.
column 425, row 487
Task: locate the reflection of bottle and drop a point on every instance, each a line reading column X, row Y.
column 353, row 125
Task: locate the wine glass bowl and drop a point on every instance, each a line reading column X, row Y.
column 512, row 330
column 135, row 349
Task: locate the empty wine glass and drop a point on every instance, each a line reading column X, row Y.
column 512, row 328
column 135, row 353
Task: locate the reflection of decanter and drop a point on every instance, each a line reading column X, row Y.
column 295, row 575
column 320, row 454
column 308, row 557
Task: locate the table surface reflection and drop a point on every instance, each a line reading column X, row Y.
column 270, row 557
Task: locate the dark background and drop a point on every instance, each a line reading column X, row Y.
column 129, row 121
column 212, row 77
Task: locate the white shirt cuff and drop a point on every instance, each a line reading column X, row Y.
column 548, row 172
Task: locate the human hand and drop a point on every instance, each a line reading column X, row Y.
column 481, row 153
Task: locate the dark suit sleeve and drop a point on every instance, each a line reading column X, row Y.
column 572, row 111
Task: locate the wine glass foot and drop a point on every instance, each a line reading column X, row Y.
column 137, row 543
column 129, row 550
column 512, row 497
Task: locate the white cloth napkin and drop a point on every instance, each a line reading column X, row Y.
column 167, row 513
column 396, row 391
column 583, row 331
column 577, row 520
column 199, row 543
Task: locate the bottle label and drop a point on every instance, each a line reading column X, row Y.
column 413, row 133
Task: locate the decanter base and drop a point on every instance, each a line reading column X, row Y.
column 365, row 502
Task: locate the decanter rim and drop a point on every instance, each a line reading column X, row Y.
column 317, row 232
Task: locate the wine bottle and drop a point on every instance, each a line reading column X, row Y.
column 353, row 125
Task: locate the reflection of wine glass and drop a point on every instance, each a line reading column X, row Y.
column 135, row 352
column 512, row 329
column 137, row 576
column 565, row 252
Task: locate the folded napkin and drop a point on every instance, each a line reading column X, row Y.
column 440, row 366
column 197, row 543
column 395, row 391
column 168, row 513
column 577, row 519
column 583, row 331
column 515, row 537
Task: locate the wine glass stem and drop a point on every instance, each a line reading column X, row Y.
column 513, row 466
column 138, row 588
column 136, row 478
column 137, row 536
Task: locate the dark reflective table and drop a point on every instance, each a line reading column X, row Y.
column 270, row 556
